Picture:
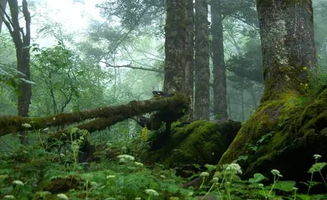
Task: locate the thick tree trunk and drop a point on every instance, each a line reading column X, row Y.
column 202, row 72
column 3, row 5
column 288, row 49
column 219, row 68
column 171, row 107
column 287, row 38
column 179, row 48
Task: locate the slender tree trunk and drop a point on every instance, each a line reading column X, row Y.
column 242, row 104
column 253, row 96
column 22, row 44
column 202, row 72
column 3, row 5
column 189, row 66
column 287, row 37
column 179, row 47
column 219, row 68
column 21, row 40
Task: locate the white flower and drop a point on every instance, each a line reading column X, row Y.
column 204, row 174
column 234, row 167
column 215, row 179
column 125, row 157
column 62, row 196
column 26, row 125
column 18, row 182
column 9, row 197
column 111, row 176
column 275, row 172
column 138, row 164
column 151, row 192
column 316, row 156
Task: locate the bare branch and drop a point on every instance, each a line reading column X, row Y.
column 133, row 67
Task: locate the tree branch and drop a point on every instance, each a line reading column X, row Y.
column 132, row 67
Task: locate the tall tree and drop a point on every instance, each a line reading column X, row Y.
column 22, row 41
column 287, row 37
column 288, row 48
column 3, row 5
column 202, row 72
column 219, row 68
column 179, row 47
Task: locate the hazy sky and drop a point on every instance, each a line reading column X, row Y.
column 74, row 15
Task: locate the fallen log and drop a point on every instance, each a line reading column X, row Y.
column 173, row 107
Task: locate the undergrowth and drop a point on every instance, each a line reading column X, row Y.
column 38, row 172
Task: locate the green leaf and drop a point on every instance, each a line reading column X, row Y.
column 286, row 186
column 317, row 167
column 257, row 178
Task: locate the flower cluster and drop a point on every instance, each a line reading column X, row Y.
column 125, row 158
column 235, row 168
column 151, row 192
column 277, row 173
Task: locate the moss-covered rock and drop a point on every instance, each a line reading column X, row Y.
column 200, row 142
column 283, row 134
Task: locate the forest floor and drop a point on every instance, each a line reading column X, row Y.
column 37, row 171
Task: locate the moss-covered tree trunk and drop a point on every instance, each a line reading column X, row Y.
column 219, row 69
column 288, row 49
column 179, row 46
column 202, row 72
column 101, row 118
column 286, row 28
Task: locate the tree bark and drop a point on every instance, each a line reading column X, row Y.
column 22, row 44
column 287, row 38
column 202, row 72
column 3, row 5
column 219, row 68
column 173, row 107
column 179, row 48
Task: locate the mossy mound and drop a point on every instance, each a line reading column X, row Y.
column 200, row 142
column 283, row 134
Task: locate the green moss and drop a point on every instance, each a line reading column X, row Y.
column 200, row 142
column 295, row 123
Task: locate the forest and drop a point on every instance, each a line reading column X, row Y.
column 163, row 99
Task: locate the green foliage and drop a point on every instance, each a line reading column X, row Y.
column 34, row 172
column 64, row 81
column 317, row 81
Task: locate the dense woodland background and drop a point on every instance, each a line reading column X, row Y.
column 178, row 76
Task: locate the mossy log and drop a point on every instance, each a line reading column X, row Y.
column 100, row 118
column 283, row 134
